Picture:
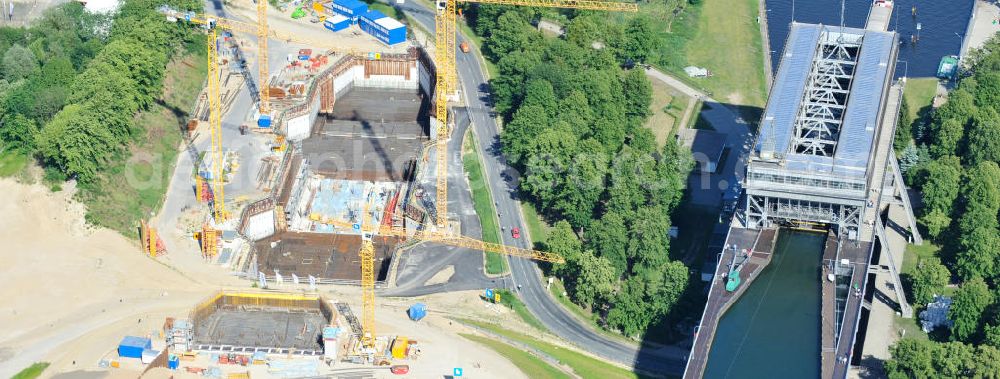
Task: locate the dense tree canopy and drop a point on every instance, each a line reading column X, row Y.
column 929, row 279
column 967, row 309
column 913, row 358
column 940, row 189
column 955, row 167
column 75, row 81
column 573, row 126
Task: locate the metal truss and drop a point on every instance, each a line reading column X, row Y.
column 817, row 124
column 764, row 211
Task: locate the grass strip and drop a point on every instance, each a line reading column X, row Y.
column 527, row 363
column 483, row 202
column 583, row 365
column 511, row 301
column 32, row 371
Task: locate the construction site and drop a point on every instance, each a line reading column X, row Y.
column 318, row 171
column 239, row 334
column 354, row 132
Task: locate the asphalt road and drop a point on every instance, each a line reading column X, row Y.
column 525, row 273
column 422, row 261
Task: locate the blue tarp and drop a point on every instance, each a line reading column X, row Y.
column 417, row 311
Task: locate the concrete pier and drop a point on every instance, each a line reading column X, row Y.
column 983, row 25
column 719, row 300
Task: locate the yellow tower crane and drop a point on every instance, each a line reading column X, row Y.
column 367, row 257
column 444, row 57
column 212, row 24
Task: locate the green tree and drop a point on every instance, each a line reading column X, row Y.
column 638, row 94
column 992, row 334
column 936, row 221
column 609, row 237
column 967, row 309
column 584, row 30
column 929, row 279
column 648, row 295
column 979, row 253
column 940, row 189
column 649, row 237
column 561, row 240
column 518, row 136
column 539, row 92
column 583, row 184
column 110, row 94
column 640, row 40
column 984, row 137
column 948, row 137
column 575, row 111
column 987, row 93
column 904, row 129
column 512, row 31
column 140, row 63
column 18, row 63
column 18, row 132
column 595, row 280
column 911, row 358
column 76, row 142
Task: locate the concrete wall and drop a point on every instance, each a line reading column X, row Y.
column 260, row 226
column 298, row 127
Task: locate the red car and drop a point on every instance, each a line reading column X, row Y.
column 515, row 232
column 400, row 369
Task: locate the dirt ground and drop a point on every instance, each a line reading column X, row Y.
column 63, row 279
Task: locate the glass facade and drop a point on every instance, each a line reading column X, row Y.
column 805, row 182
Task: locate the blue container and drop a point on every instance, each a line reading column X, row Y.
column 351, row 9
column 417, row 311
column 132, row 347
column 385, row 29
column 173, row 362
column 371, row 16
column 337, row 23
column 265, row 120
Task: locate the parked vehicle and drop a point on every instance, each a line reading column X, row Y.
column 400, row 369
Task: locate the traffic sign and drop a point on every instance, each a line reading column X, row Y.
column 356, row 226
column 457, row 372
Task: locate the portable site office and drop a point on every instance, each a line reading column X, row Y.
column 385, row 29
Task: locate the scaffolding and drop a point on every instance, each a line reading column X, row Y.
column 821, row 112
column 209, row 242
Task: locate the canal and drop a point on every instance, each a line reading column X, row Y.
column 942, row 27
column 773, row 331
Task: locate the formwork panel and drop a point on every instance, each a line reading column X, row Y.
column 266, row 321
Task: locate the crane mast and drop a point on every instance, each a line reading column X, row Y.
column 262, row 65
column 215, row 126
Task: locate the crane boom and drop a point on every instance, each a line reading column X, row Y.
column 574, row 4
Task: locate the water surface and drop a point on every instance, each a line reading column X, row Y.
column 773, row 331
